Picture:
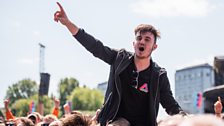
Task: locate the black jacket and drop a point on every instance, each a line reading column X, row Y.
column 160, row 91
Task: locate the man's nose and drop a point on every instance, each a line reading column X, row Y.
column 142, row 41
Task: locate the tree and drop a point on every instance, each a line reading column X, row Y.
column 65, row 87
column 21, row 90
column 21, row 107
column 86, row 99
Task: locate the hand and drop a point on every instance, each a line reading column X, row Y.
column 66, row 108
column 94, row 118
column 218, row 106
column 56, row 103
column 61, row 15
column 6, row 102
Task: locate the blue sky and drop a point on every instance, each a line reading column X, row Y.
column 191, row 30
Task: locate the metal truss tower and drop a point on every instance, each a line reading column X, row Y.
column 41, row 60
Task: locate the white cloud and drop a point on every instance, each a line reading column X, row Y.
column 172, row 8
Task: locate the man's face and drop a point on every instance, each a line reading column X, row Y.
column 144, row 44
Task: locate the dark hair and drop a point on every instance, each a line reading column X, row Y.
column 26, row 121
column 45, row 124
column 33, row 118
column 76, row 119
column 9, row 123
column 142, row 28
column 38, row 116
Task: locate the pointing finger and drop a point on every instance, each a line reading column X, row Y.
column 219, row 99
column 61, row 8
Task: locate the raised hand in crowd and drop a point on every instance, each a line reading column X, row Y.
column 218, row 107
column 8, row 113
column 56, row 103
column 6, row 102
column 94, row 118
column 56, row 107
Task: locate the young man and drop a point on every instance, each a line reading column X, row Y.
column 136, row 84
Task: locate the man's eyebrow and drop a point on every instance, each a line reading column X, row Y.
column 148, row 37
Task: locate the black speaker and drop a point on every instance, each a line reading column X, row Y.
column 44, row 83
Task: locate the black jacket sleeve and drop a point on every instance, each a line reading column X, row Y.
column 166, row 97
column 96, row 47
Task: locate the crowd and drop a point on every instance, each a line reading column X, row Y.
column 71, row 118
column 76, row 118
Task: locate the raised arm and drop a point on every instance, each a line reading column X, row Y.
column 218, row 107
column 56, row 107
column 93, row 45
column 8, row 113
column 63, row 19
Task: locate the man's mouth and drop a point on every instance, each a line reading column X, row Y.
column 141, row 49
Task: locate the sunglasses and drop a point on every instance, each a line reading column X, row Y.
column 135, row 75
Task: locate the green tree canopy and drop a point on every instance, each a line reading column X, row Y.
column 86, row 99
column 65, row 87
column 21, row 90
column 21, row 106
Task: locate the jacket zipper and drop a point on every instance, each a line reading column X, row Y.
column 157, row 92
column 117, row 92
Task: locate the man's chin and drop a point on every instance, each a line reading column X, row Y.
column 141, row 56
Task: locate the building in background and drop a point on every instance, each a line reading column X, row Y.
column 102, row 87
column 219, row 70
column 211, row 96
column 190, row 83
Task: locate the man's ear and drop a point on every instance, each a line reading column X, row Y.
column 154, row 46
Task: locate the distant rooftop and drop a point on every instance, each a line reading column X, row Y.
column 195, row 66
column 219, row 57
column 103, row 83
column 214, row 91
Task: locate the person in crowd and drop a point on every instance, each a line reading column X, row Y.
column 218, row 108
column 202, row 120
column 56, row 107
column 136, row 83
column 76, row 119
column 56, row 123
column 34, row 116
column 23, row 121
column 19, row 121
column 2, row 121
column 174, row 120
column 8, row 113
column 94, row 118
column 49, row 118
